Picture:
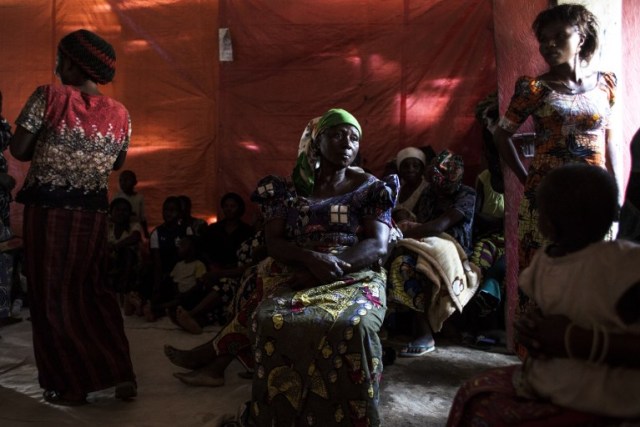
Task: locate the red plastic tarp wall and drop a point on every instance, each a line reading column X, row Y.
column 411, row 71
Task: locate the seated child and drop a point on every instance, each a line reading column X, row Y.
column 127, row 181
column 224, row 293
column 595, row 283
column 163, row 244
column 123, row 240
column 186, row 281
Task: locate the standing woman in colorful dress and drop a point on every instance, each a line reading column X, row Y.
column 74, row 137
column 571, row 108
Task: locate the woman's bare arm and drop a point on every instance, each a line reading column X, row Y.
column 509, row 153
column 23, row 144
column 372, row 248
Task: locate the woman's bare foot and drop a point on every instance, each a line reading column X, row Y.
column 200, row 378
column 195, row 358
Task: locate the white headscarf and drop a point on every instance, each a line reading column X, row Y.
column 410, row 153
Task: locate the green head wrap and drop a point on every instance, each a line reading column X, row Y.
column 334, row 117
column 304, row 172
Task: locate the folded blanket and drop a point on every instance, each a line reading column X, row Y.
column 455, row 279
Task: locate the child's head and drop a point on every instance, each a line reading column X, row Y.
column 577, row 205
column 185, row 205
column 128, row 181
column 171, row 209
column 187, row 248
column 120, row 211
column 232, row 206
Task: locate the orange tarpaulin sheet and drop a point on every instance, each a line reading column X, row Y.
column 411, row 71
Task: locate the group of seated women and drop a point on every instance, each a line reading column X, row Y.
column 309, row 330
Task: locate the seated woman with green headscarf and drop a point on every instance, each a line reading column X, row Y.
column 316, row 353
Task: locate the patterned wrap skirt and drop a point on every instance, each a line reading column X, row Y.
column 78, row 334
column 318, row 358
column 490, row 399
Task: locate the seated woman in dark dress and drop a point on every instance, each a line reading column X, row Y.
column 445, row 208
column 316, row 352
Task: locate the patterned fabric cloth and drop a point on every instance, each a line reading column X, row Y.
column 431, row 205
column 318, row 358
column 433, row 276
column 569, row 129
column 489, row 399
column 233, row 339
column 78, row 334
column 407, row 285
column 488, row 245
column 492, row 201
column 79, row 139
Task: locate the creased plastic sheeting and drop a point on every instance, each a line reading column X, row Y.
column 410, row 71
column 26, row 60
column 166, row 77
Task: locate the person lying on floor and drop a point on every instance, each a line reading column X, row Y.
column 314, row 331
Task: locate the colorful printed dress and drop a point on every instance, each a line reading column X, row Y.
column 78, row 335
column 318, row 359
column 408, row 286
column 569, row 128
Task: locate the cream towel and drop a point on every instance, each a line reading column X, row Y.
column 455, row 279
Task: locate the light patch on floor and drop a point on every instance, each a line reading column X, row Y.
column 414, row 391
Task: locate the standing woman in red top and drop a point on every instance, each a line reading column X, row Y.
column 74, row 137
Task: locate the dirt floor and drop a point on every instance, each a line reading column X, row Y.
column 415, row 391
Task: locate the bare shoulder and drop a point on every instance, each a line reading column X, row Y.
column 357, row 175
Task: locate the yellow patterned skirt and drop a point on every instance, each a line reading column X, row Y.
column 318, row 358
